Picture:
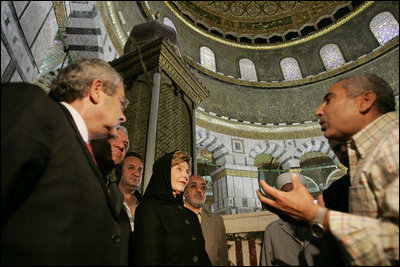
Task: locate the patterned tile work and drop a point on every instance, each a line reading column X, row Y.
column 137, row 113
column 174, row 121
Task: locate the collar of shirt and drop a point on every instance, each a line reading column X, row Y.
column 79, row 121
column 369, row 135
column 198, row 213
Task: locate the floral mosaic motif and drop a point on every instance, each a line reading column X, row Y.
column 257, row 18
column 331, row 57
column 385, row 27
column 207, row 58
column 254, row 9
column 290, row 69
column 251, row 8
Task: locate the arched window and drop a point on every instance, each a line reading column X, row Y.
column 290, row 69
column 247, row 70
column 207, row 58
column 385, row 27
column 168, row 22
column 331, row 56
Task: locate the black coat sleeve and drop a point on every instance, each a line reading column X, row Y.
column 27, row 132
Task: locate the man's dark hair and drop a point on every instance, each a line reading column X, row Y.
column 132, row 154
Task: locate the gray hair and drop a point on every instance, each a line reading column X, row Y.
column 73, row 81
column 123, row 128
column 360, row 83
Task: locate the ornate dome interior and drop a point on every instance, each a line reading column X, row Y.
column 264, row 33
column 262, row 21
column 265, row 64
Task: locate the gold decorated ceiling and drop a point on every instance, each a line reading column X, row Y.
column 254, row 18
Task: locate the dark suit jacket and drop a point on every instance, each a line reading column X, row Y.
column 56, row 207
column 214, row 232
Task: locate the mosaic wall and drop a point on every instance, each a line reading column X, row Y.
column 174, row 126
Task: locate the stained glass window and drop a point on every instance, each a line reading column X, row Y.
column 385, row 27
column 331, row 56
column 168, row 22
column 247, row 70
column 290, row 69
column 207, row 58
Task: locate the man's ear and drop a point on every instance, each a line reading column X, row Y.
column 367, row 100
column 95, row 90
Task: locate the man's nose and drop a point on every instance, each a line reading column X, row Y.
column 120, row 145
column 318, row 112
column 122, row 118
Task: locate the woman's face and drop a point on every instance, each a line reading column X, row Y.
column 179, row 177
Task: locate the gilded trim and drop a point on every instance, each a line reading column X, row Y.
column 61, row 16
column 316, row 78
column 110, row 27
column 218, row 176
column 301, row 40
column 185, row 79
column 242, row 173
column 261, row 132
column 146, row 10
column 230, row 172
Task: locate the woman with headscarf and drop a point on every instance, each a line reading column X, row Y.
column 167, row 233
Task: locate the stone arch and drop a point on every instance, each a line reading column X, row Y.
column 321, row 146
column 274, row 150
column 216, row 147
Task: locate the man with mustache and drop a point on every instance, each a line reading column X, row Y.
column 359, row 110
column 212, row 225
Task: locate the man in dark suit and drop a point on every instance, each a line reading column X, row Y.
column 56, row 206
column 212, row 225
column 110, row 152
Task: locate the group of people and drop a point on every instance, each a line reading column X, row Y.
column 69, row 186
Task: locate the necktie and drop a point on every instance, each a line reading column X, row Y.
column 91, row 152
column 199, row 216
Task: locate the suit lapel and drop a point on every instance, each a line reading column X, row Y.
column 113, row 198
column 204, row 219
column 79, row 138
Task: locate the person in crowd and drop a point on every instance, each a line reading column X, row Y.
column 336, row 196
column 212, row 225
column 360, row 110
column 54, row 204
column 291, row 243
column 110, row 152
column 166, row 233
column 131, row 173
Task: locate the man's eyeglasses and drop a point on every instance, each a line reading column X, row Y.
column 124, row 103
